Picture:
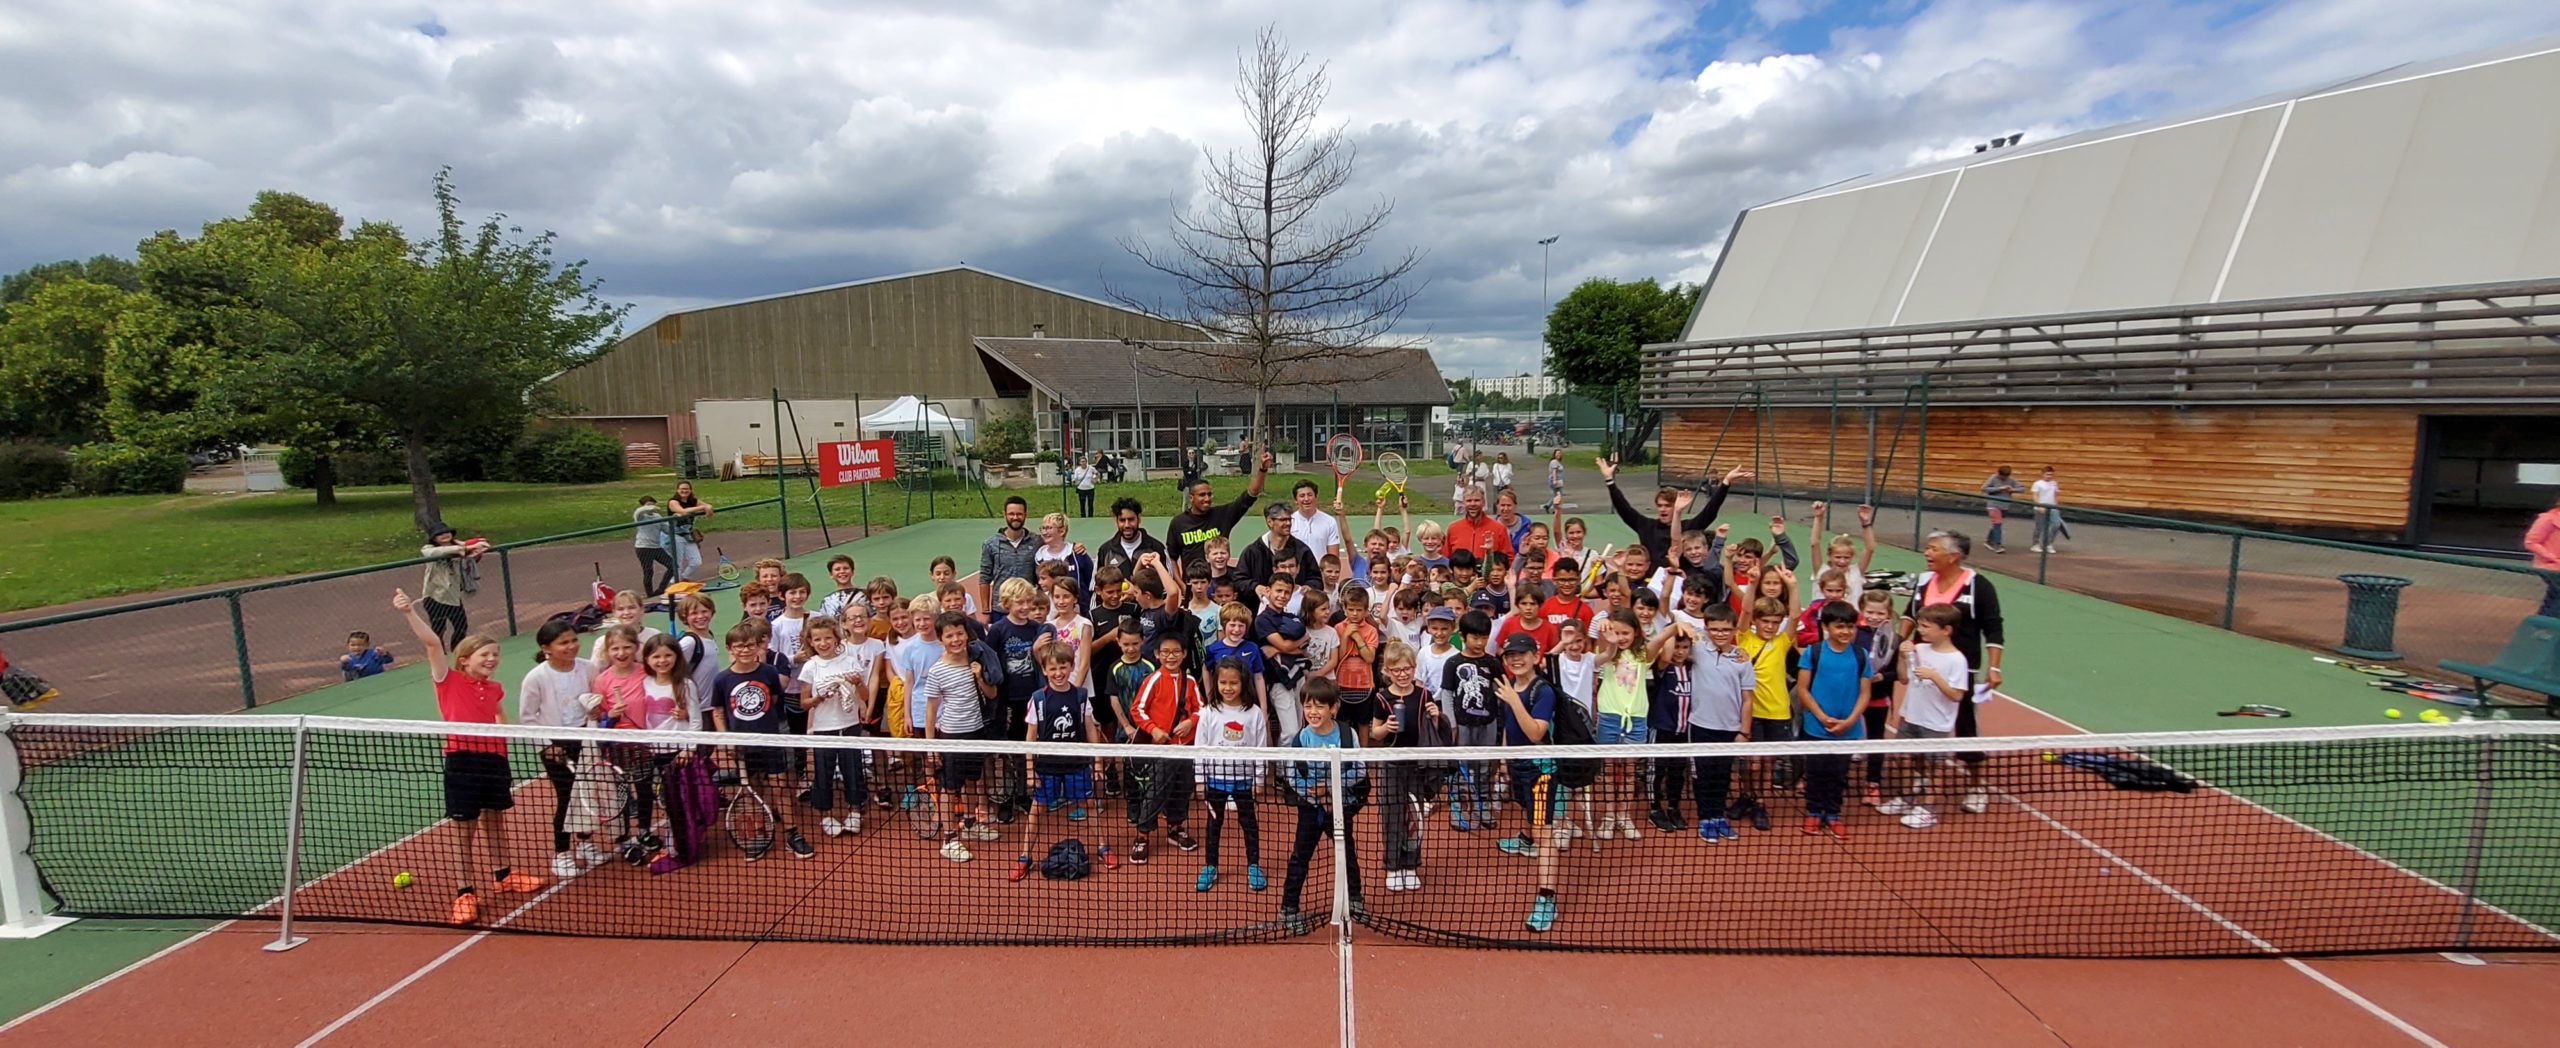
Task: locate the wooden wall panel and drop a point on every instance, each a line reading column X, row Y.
column 2345, row 469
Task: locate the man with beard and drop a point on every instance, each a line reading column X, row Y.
column 1199, row 521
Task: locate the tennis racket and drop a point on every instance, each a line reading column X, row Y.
column 2370, row 669
column 2430, row 691
column 2255, row 709
column 1345, row 453
column 1391, row 466
column 727, row 575
column 750, row 820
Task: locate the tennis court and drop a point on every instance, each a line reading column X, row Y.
column 2051, row 936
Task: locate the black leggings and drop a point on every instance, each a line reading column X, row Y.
column 1084, row 502
column 564, row 779
column 1315, row 823
column 651, row 562
column 1670, row 774
column 1217, row 799
column 1876, row 714
column 448, row 622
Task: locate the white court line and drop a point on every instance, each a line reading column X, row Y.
column 2170, row 890
column 394, row 989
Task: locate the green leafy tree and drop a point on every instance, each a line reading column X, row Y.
column 434, row 341
column 53, row 351
column 1595, row 337
column 101, row 269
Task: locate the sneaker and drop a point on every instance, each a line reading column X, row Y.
column 1759, row 817
column 1413, row 880
column 1920, row 818
column 1895, row 806
column 1254, row 879
column 2036, row 549
column 564, row 867
column 852, row 823
column 979, row 831
column 1182, row 838
column 1812, row 825
column 1576, row 829
column 466, row 908
column 1976, row 802
column 1021, row 868
column 1208, row 877
column 955, row 851
column 1458, row 821
column 1662, row 820
column 1608, row 828
column 1542, row 913
column 1627, row 826
column 1110, row 859
column 1839, row 829
column 1395, row 880
column 590, row 854
column 1875, row 794
column 1297, row 923
column 1707, row 831
column 632, row 852
column 1138, row 852
column 1678, row 824
column 518, row 882
column 1519, row 846
column 1075, row 815
column 831, row 827
column 799, row 845
column 1725, row 829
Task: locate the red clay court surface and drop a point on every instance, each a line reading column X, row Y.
column 374, row 985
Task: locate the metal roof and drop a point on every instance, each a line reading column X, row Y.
column 1109, row 373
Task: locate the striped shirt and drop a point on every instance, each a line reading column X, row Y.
column 957, row 687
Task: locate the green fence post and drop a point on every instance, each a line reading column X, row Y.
column 781, row 487
column 2044, row 554
column 240, row 650
column 507, row 589
column 2231, row 584
column 1920, row 469
column 865, row 491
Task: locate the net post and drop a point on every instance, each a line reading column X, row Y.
column 22, row 894
column 2044, row 553
column 2477, row 838
column 2231, row 584
column 1341, row 862
column 285, row 939
column 240, row 651
column 507, row 589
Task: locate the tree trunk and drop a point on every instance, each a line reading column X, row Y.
column 324, row 481
column 422, row 483
column 1638, row 434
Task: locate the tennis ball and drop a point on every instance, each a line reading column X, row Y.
column 402, row 879
column 2393, row 713
column 2050, row 756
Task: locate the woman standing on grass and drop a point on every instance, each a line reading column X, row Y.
column 688, row 512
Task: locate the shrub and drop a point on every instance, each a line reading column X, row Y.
column 365, row 467
column 565, row 454
column 127, row 469
column 30, row 470
column 1004, row 436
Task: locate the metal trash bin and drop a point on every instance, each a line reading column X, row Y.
column 2373, row 613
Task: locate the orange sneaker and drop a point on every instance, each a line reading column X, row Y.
column 519, row 882
column 1838, row 828
column 466, row 909
column 1812, row 825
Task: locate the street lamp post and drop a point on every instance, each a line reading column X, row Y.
column 1546, row 303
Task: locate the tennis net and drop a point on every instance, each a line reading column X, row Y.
column 2296, row 841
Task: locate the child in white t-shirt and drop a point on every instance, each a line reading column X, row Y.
column 1935, row 677
column 835, row 688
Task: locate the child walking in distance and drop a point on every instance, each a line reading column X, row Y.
column 1059, row 713
column 1166, row 713
column 750, row 703
column 477, row 784
column 956, row 693
column 1408, row 717
column 362, row 658
column 553, row 695
column 1530, row 711
column 1311, row 786
column 1235, row 721
column 1832, row 691
column 1720, row 683
column 837, row 668
column 1934, row 681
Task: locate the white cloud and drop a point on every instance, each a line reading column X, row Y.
column 700, row 152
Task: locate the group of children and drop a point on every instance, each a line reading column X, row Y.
column 1164, row 661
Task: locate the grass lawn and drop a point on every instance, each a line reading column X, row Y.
column 70, row 549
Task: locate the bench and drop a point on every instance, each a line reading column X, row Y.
column 2530, row 661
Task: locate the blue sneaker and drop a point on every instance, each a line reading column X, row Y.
column 1518, row 846
column 1707, row 831
column 1724, row 829
column 1075, row 815
column 1208, row 876
column 1254, row 879
column 1542, row 913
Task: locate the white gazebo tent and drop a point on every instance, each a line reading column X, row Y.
column 912, row 415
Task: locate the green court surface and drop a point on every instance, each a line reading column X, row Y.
column 2098, row 666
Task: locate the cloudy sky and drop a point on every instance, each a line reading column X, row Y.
column 699, row 152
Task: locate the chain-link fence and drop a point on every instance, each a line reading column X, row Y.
column 236, row 647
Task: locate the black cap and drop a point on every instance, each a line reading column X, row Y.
column 440, row 528
column 1292, row 628
column 1519, row 643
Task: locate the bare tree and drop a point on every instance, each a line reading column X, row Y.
column 1284, row 287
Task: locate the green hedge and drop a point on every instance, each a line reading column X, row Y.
column 31, row 470
column 561, row 454
column 127, row 469
column 566, row 454
column 355, row 468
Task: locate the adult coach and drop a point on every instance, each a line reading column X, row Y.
column 2543, row 541
column 1475, row 532
column 1128, row 541
column 1654, row 533
column 1013, row 552
column 1979, row 634
column 1262, row 558
column 1313, row 524
column 688, row 512
column 1190, row 530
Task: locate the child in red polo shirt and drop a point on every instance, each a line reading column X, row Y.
column 476, row 779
